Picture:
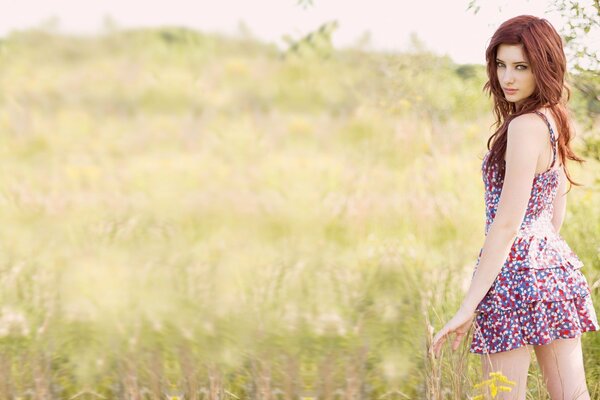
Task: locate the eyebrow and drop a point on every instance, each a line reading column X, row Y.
column 518, row 62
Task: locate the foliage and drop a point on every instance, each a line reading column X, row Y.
column 316, row 43
column 582, row 21
column 497, row 383
column 191, row 215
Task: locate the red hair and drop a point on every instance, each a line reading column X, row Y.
column 543, row 48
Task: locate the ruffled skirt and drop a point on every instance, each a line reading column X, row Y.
column 540, row 295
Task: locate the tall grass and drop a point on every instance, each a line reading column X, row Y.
column 185, row 215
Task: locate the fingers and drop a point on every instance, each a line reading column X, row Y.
column 437, row 347
column 438, row 341
column 457, row 340
column 437, row 338
column 460, row 329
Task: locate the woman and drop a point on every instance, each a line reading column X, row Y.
column 527, row 288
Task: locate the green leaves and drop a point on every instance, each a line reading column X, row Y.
column 317, row 43
column 304, row 3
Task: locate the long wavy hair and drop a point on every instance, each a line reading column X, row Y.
column 543, row 48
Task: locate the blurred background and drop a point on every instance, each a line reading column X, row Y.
column 257, row 200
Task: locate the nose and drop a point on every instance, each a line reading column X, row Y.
column 507, row 76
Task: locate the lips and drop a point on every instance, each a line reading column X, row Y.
column 510, row 91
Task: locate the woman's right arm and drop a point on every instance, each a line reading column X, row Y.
column 560, row 202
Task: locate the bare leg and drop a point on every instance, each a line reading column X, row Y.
column 561, row 362
column 513, row 364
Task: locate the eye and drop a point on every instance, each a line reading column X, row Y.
column 499, row 64
column 522, row 69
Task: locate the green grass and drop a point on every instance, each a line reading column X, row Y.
column 187, row 214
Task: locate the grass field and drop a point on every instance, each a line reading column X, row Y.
column 191, row 215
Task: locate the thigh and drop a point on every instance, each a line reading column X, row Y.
column 561, row 362
column 514, row 364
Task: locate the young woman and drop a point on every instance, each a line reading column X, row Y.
column 527, row 288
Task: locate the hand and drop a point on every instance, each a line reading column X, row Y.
column 459, row 324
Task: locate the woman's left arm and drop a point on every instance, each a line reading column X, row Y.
column 525, row 139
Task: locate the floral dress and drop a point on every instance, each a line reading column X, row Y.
column 540, row 293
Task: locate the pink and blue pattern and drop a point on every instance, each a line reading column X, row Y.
column 540, row 293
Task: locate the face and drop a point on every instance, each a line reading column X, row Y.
column 514, row 72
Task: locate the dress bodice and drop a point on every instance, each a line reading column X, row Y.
column 543, row 192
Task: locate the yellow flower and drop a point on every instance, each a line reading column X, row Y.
column 494, row 384
column 502, row 378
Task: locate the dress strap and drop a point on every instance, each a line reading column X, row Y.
column 552, row 139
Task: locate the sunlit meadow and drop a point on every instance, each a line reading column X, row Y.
column 191, row 216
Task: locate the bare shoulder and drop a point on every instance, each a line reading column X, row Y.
column 528, row 129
